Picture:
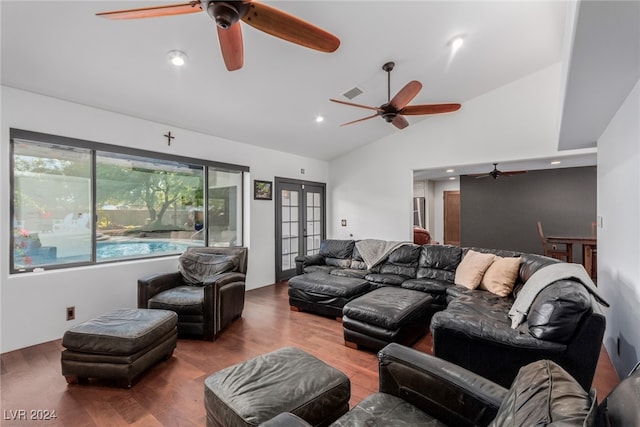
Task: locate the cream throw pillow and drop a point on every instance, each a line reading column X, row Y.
column 501, row 276
column 471, row 269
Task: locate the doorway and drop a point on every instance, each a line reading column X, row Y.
column 300, row 222
column 451, row 205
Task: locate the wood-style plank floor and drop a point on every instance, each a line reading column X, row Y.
column 171, row 393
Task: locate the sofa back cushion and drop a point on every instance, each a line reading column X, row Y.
column 439, row 262
column 545, row 394
column 337, row 253
column 558, row 310
column 196, row 267
column 402, row 262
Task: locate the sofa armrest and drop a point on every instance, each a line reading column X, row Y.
column 303, row 261
column 222, row 279
column 152, row 285
column 446, row 391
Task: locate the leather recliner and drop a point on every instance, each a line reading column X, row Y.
column 418, row 389
column 203, row 308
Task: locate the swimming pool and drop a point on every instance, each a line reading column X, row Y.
column 133, row 248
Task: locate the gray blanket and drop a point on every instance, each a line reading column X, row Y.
column 374, row 251
column 543, row 278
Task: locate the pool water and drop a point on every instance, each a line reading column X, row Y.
column 105, row 250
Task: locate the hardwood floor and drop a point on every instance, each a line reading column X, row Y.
column 171, row 393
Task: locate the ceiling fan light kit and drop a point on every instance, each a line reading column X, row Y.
column 394, row 110
column 227, row 15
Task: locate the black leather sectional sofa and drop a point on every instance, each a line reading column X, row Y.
column 470, row 328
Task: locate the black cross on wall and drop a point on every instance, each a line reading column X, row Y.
column 169, row 137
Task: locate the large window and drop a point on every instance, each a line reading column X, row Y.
column 75, row 202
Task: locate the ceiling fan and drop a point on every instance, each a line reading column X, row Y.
column 226, row 14
column 495, row 173
column 396, row 108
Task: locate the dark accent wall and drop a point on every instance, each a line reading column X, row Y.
column 502, row 213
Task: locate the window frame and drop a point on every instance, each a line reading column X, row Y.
column 94, row 147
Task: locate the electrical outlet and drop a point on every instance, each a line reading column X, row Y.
column 71, row 313
column 343, row 222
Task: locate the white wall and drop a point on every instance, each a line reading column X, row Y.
column 372, row 186
column 619, row 237
column 33, row 304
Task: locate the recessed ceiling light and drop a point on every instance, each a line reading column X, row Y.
column 555, row 162
column 452, row 178
column 450, row 170
column 177, row 58
column 456, row 43
column 319, row 118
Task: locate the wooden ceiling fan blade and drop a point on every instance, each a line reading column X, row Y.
column 513, row 173
column 154, row 11
column 406, row 94
column 290, row 28
column 360, row 120
column 400, row 122
column 355, row 105
column 231, row 46
column 416, row 110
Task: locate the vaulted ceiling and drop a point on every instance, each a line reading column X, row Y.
column 61, row 49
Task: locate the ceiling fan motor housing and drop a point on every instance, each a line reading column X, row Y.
column 226, row 13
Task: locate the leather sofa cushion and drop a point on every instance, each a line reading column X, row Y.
column 381, row 409
column 181, row 299
column 431, row 286
column 484, row 316
column 403, row 261
column 195, row 267
column 319, row 269
column 530, row 263
column 338, row 262
column 350, row 272
column 385, row 279
column 327, row 284
column 545, row 394
column 120, row 332
column 438, row 262
column 334, row 248
column 557, row 311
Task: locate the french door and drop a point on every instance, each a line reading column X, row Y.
column 300, row 222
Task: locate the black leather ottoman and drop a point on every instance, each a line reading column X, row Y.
column 385, row 315
column 286, row 380
column 324, row 293
column 119, row 345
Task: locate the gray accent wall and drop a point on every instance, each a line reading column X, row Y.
column 502, row 213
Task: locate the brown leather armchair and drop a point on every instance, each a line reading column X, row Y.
column 203, row 308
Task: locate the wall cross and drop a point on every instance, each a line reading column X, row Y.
column 169, row 137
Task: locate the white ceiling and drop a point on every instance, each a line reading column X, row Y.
column 61, row 49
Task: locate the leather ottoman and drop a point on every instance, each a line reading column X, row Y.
column 119, row 345
column 385, row 315
column 286, row 380
column 324, row 293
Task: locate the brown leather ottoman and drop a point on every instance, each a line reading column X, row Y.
column 120, row 344
column 385, row 315
column 286, row 380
